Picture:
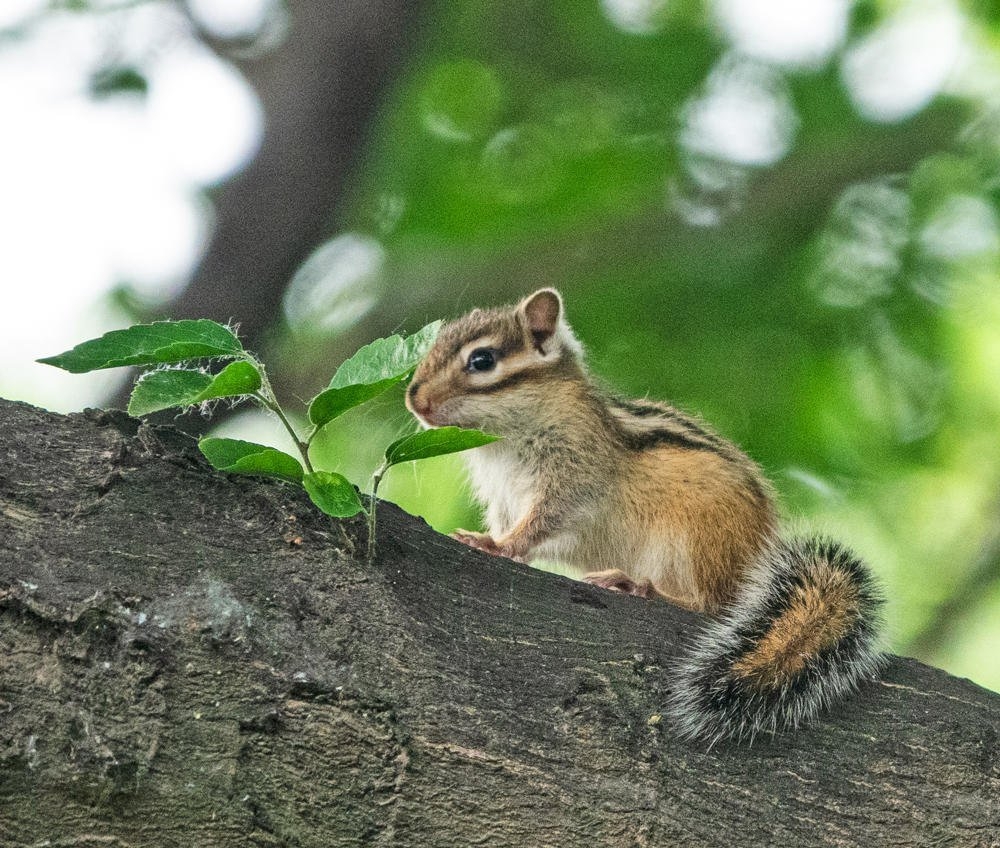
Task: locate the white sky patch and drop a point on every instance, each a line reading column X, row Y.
column 898, row 69
column 14, row 12
column 202, row 116
column 745, row 115
column 797, row 33
column 102, row 192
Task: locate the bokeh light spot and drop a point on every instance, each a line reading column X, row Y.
column 461, row 101
column 334, row 287
column 520, row 164
column 898, row 69
column 787, row 32
column 745, row 115
column 636, row 17
column 859, row 249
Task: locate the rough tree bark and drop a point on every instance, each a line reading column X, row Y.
column 188, row 658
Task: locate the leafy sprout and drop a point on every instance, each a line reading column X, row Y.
column 176, row 353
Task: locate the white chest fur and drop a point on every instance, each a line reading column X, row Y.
column 502, row 483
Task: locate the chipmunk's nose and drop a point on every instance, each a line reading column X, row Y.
column 420, row 407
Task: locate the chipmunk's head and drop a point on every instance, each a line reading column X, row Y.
column 490, row 368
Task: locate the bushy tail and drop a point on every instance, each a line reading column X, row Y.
column 802, row 634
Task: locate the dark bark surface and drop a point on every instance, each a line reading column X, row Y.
column 188, row 658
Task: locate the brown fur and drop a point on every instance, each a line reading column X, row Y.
column 817, row 617
column 703, row 498
column 629, row 485
column 648, row 500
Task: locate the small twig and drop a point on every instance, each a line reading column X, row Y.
column 267, row 397
column 372, row 510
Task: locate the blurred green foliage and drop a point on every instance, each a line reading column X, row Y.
column 740, row 235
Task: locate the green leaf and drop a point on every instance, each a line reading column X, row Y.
column 237, row 378
column 184, row 387
column 121, row 79
column 375, row 368
column 332, row 403
column 436, row 442
column 333, row 493
column 384, row 359
column 239, row 457
column 163, row 389
column 160, row 343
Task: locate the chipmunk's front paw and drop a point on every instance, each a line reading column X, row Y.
column 480, row 541
column 618, row 581
column 486, row 543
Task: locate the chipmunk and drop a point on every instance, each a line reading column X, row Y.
column 649, row 501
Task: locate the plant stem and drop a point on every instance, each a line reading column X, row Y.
column 302, row 446
column 372, row 509
column 266, row 397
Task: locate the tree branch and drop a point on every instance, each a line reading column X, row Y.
column 193, row 658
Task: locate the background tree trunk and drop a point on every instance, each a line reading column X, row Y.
column 320, row 92
column 188, row 658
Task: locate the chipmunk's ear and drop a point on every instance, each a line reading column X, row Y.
column 541, row 312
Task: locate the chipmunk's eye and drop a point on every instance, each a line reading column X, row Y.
column 481, row 359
